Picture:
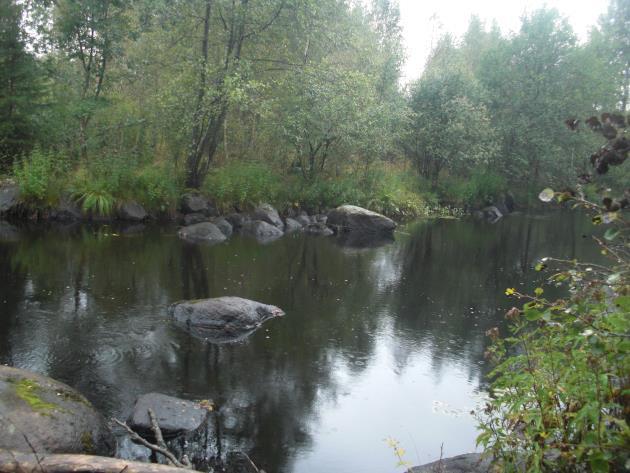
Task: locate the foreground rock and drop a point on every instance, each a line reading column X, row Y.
column 223, row 319
column 269, row 214
column 350, row 218
column 204, row 232
column 175, row 416
column 468, row 463
column 9, row 198
column 18, row 462
column 263, row 232
column 51, row 415
column 132, row 212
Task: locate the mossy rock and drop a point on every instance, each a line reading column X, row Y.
column 40, row 413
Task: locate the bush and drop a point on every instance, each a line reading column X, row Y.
column 482, row 188
column 157, row 188
column 39, row 176
column 243, row 184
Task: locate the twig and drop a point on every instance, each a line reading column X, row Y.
column 169, row 456
column 156, row 430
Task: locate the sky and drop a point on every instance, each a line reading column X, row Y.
column 423, row 21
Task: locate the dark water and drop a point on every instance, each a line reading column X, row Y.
column 378, row 342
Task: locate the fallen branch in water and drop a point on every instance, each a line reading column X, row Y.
column 161, row 449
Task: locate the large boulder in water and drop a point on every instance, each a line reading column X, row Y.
column 223, row 319
column 224, row 225
column 174, row 416
column 269, row 214
column 204, row 232
column 263, row 232
column 292, row 226
column 350, row 218
column 51, row 415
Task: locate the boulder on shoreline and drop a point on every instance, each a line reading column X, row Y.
column 263, row 232
column 9, row 198
column 467, row 463
column 223, row 319
column 204, row 232
column 269, row 214
column 223, row 225
column 194, row 202
column 319, row 229
column 350, row 218
column 292, row 225
column 51, row 415
column 132, row 211
column 174, row 416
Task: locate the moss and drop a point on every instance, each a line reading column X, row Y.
column 28, row 390
column 87, row 442
column 73, row 396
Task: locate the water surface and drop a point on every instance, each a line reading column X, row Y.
column 377, row 342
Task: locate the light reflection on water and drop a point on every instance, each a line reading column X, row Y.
column 377, row 342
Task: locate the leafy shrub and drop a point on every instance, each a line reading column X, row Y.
column 480, row 189
column 96, row 194
column 38, row 176
column 243, row 184
column 156, row 187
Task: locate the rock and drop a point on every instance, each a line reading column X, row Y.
column 267, row 213
column 196, row 203
column 468, row 463
column 132, row 212
column 238, row 221
column 54, row 417
column 350, row 218
column 292, row 226
column 492, row 214
column 66, row 210
column 191, row 219
column 9, row 198
column 222, row 319
column 262, row 231
column 8, row 232
column 204, row 232
column 303, row 219
column 319, row 229
column 224, row 226
column 175, row 416
column 320, row 218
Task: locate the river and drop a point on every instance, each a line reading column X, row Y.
column 377, row 343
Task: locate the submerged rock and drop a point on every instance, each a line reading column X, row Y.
column 132, row 211
column 223, row 319
column 51, row 415
column 204, row 232
column 263, row 232
column 350, row 218
column 468, row 463
column 269, row 214
column 175, row 416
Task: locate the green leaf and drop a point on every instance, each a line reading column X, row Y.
column 611, row 234
column 623, row 302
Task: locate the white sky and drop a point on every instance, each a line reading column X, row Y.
column 419, row 29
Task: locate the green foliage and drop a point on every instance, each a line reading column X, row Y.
column 157, row 187
column 482, row 188
column 242, row 185
column 40, row 176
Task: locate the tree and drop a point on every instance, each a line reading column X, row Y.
column 19, row 87
column 450, row 126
